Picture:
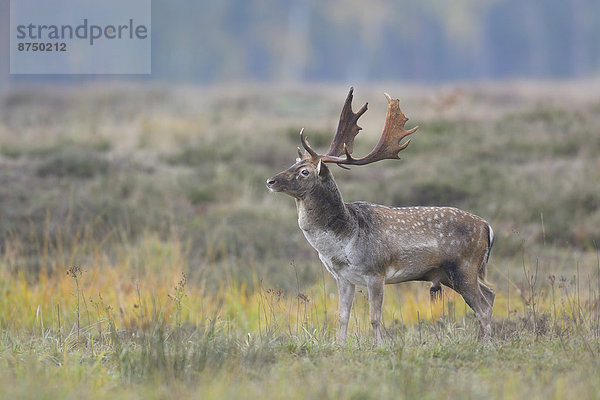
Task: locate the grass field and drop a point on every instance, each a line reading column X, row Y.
column 142, row 256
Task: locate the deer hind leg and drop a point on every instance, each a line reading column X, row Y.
column 489, row 295
column 375, row 288
column 475, row 293
column 482, row 308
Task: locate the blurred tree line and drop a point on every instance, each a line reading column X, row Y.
column 205, row 41
column 427, row 40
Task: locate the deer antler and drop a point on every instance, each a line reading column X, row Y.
column 388, row 146
column 343, row 141
column 347, row 128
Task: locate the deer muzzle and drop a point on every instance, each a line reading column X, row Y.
column 273, row 184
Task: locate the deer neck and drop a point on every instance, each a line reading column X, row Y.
column 323, row 209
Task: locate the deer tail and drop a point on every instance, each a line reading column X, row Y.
column 482, row 269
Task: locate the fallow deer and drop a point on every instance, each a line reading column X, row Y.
column 372, row 245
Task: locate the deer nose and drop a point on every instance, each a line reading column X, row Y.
column 270, row 182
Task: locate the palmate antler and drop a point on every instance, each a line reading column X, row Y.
column 388, row 146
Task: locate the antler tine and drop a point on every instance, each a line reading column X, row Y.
column 388, row 146
column 347, row 130
column 347, row 127
column 313, row 154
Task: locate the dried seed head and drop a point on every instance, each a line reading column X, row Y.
column 303, row 298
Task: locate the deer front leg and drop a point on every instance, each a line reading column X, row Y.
column 346, row 296
column 375, row 288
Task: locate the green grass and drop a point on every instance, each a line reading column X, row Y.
column 219, row 370
column 138, row 185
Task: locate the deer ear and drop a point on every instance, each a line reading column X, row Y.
column 322, row 169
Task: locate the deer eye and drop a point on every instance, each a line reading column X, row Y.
column 304, row 172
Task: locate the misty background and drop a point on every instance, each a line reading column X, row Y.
column 427, row 41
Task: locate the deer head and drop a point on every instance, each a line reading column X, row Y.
column 301, row 178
